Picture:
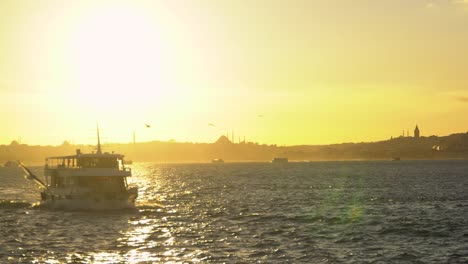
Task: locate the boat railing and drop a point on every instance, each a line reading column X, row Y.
column 55, row 167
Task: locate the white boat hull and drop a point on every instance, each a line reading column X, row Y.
column 100, row 201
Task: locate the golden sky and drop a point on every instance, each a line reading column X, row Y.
column 275, row 71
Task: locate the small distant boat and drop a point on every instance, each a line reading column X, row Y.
column 217, row 161
column 86, row 181
column 279, row 160
column 396, row 159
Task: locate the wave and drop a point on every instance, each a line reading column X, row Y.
column 85, row 205
column 77, row 206
column 7, row 204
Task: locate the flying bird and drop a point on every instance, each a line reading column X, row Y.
column 146, row 125
column 210, row 124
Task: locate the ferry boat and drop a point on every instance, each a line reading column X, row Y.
column 86, row 181
column 217, row 161
column 279, row 160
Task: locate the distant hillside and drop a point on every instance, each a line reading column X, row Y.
column 453, row 146
column 35, row 154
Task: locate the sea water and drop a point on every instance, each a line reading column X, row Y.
column 311, row 212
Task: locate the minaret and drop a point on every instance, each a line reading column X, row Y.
column 416, row 132
column 98, row 141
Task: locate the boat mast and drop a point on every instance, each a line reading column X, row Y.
column 98, row 141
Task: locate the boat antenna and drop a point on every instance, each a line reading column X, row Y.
column 98, row 141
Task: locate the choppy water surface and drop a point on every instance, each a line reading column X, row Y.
column 319, row 212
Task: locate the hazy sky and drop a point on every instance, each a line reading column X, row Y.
column 285, row 72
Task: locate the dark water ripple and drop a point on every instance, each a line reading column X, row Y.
column 321, row 212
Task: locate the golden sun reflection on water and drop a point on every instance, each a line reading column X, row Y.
column 148, row 238
column 105, row 257
column 137, row 237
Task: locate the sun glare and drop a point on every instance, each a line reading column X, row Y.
column 117, row 55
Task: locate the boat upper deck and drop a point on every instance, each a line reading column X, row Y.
column 89, row 155
column 97, row 164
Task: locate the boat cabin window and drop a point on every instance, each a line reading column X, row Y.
column 102, row 183
column 84, row 162
column 98, row 163
column 61, row 162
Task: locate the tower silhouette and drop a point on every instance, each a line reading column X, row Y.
column 416, row 132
